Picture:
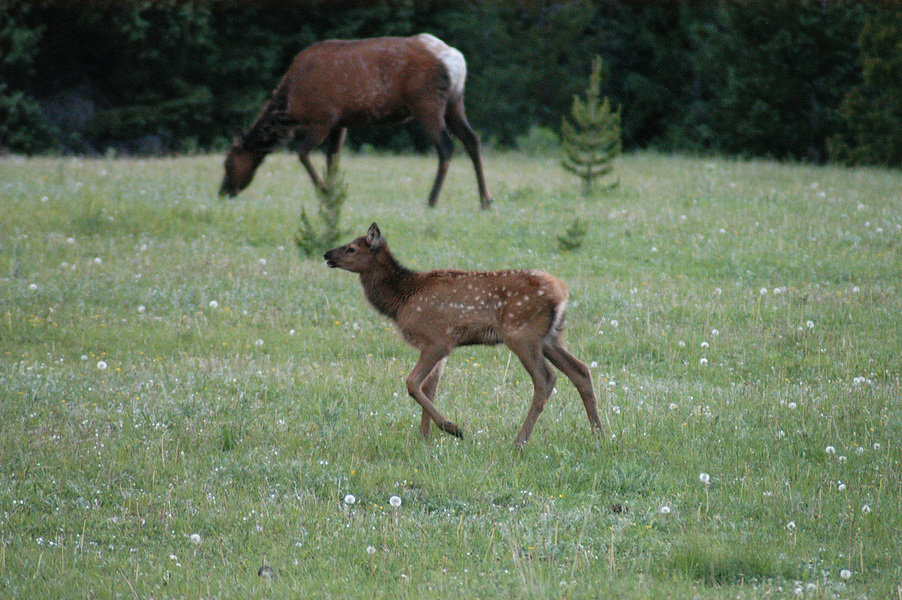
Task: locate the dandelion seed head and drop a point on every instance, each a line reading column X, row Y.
column 704, row 478
column 841, row 487
column 97, row 260
column 845, row 574
column 791, row 526
column 703, row 361
column 142, row 309
column 33, row 287
column 866, row 509
column 350, row 499
column 214, row 304
column 664, row 510
column 102, row 365
column 195, row 539
column 370, row 550
column 830, row 450
column 809, row 324
column 395, row 501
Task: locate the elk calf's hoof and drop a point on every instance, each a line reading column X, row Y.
column 453, row 429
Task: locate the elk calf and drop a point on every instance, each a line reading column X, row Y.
column 440, row 310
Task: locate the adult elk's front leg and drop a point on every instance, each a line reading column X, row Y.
column 312, row 140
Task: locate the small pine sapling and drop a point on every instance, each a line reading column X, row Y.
column 573, row 236
column 593, row 140
column 308, row 238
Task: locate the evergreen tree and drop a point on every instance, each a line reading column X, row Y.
column 593, row 140
column 872, row 111
column 309, row 240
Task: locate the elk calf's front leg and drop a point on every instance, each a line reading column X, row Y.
column 421, row 385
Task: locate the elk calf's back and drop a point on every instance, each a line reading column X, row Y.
column 437, row 311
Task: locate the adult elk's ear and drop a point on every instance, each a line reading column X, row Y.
column 374, row 237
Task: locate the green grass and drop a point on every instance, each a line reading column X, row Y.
column 740, row 317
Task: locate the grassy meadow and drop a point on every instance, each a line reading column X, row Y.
column 189, row 408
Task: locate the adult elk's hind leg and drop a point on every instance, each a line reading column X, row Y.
column 578, row 373
column 457, row 123
column 432, row 119
column 445, row 149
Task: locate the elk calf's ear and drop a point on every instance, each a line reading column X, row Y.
column 374, row 237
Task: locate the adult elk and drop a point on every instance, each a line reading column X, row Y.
column 336, row 84
column 440, row 310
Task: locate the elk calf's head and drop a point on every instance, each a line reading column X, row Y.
column 437, row 311
column 360, row 255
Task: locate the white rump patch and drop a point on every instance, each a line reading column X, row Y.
column 560, row 311
column 453, row 59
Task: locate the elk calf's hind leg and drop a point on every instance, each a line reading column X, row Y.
column 543, row 380
column 578, row 373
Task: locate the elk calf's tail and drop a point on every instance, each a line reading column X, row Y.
column 437, row 311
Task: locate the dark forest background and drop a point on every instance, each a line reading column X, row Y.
column 802, row 80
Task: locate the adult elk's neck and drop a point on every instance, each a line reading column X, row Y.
column 390, row 286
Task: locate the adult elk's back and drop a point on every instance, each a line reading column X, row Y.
column 438, row 311
column 336, row 84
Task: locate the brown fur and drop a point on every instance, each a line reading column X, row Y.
column 438, row 311
column 336, row 84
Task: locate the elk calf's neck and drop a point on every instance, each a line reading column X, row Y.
column 437, row 311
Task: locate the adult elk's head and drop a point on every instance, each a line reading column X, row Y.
column 240, row 165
